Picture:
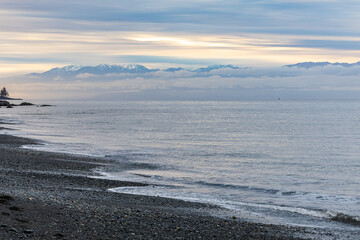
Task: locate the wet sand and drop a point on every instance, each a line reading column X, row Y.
column 53, row 196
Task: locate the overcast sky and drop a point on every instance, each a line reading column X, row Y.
column 38, row 35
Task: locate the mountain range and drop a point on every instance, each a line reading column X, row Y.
column 103, row 69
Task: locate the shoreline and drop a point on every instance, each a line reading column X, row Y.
column 54, row 195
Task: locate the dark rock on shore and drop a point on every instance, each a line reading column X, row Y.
column 10, row 105
column 4, row 103
column 26, row 104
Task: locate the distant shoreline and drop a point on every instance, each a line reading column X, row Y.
column 7, row 98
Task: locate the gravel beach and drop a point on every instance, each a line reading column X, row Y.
column 53, row 196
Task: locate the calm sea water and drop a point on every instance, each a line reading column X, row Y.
column 295, row 162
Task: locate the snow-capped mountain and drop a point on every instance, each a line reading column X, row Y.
column 70, row 68
column 102, row 69
column 308, row 65
column 106, row 69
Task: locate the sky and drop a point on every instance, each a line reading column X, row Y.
column 36, row 36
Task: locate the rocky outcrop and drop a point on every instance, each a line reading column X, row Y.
column 26, row 104
column 10, row 105
column 4, row 103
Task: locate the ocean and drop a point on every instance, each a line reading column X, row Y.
column 280, row 162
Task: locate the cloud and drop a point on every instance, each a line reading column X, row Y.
column 328, row 44
column 220, row 82
column 85, row 76
column 248, row 16
column 198, row 32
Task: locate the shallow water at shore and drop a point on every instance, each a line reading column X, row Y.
column 274, row 161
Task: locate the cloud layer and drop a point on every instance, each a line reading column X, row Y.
column 43, row 34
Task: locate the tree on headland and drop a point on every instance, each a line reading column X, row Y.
column 4, row 93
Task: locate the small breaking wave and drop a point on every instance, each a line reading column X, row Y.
column 241, row 155
column 317, row 213
column 250, row 188
column 344, row 218
column 130, row 156
column 238, row 206
column 140, row 165
column 9, row 122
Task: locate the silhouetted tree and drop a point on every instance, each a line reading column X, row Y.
column 4, row 92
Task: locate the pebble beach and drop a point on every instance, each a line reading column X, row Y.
column 47, row 195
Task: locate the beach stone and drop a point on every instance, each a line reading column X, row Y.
column 13, row 230
column 6, row 197
column 14, row 208
column 59, row 235
column 28, row 231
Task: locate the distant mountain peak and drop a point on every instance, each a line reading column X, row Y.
column 69, row 68
column 173, row 69
column 216, row 67
column 72, row 68
column 308, row 65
